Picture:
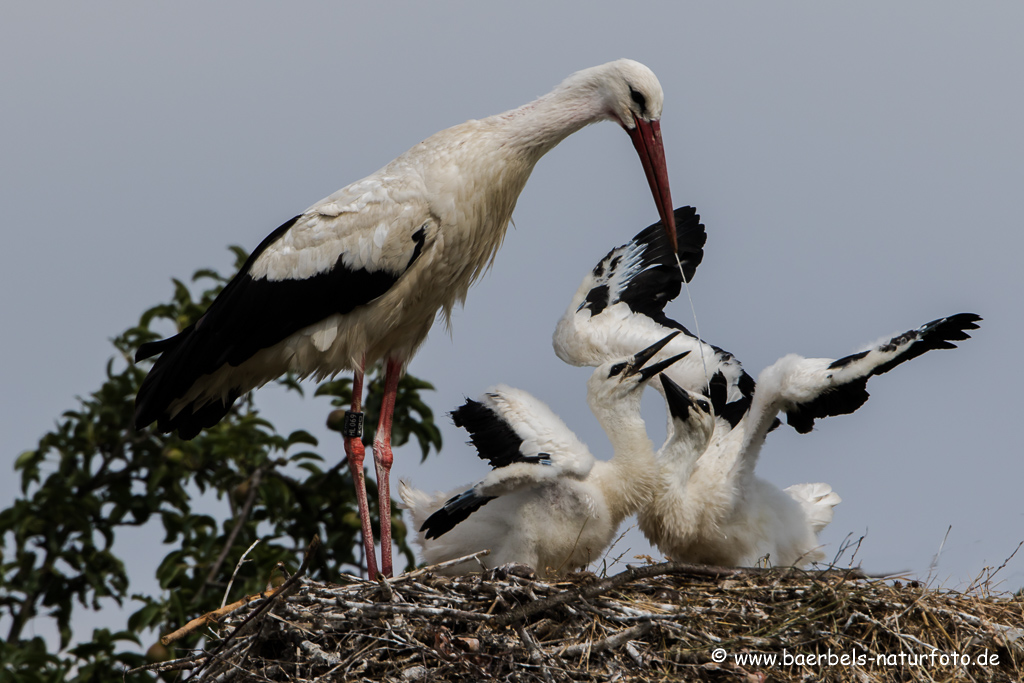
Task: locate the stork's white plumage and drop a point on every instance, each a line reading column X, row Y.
column 620, row 305
column 547, row 503
column 710, row 507
column 360, row 276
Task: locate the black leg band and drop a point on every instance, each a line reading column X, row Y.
column 353, row 425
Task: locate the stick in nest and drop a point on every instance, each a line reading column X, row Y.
column 216, row 615
column 442, row 565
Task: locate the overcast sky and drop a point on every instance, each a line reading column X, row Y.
column 859, row 168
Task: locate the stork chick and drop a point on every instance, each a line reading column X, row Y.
column 710, row 507
column 547, row 502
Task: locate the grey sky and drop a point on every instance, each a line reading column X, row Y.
column 858, row 167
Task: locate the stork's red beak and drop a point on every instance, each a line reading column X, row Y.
column 646, row 136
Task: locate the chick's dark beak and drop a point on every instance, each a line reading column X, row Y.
column 639, row 361
column 678, row 399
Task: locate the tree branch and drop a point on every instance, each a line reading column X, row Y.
column 285, row 588
column 243, row 515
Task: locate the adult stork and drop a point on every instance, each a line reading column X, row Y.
column 710, row 507
column 547, row 502
column 359, row 277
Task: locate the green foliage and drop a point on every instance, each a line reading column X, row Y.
column 94, row 475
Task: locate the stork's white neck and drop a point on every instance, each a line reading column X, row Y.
column 578, row 101
column 627, row 480
column 776, row 383
column 539, row 126
column 681, row 451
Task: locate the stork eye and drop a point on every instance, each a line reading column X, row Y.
column 639, row 98
column 616, row 369
column 704, row 405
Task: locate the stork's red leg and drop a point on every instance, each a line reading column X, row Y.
column 356, row 452
column 383, row 458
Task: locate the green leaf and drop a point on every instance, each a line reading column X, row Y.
column 302, row 436
column 23, row 459
column 94, row 474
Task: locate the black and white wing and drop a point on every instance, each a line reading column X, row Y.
column 284, row 309
column 620, row 307
column 526, row 444
column 807, row 389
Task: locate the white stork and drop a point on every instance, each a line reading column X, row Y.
column 620, row 305
column 547, row 502
column 710, row 507
column 359, row 277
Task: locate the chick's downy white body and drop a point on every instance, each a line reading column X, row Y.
column 709, row 505
column 547, row 503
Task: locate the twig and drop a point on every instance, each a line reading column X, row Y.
column 634, row 574
column 610, row 643
column 181, row 664
column 284, row 589
column 536, row 653
column 317, row 653
column 443, row 565
column 243, row 515
column 388, row 609
column 385, row 588
column 1006, row 561
column 227, row 591
column 215, row 616
column 935, row 560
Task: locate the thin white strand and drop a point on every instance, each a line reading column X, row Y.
column 696, row 325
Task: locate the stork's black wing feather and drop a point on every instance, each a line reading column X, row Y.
column 850, row 374
column 644, row 273
column 494, row 439
column 456, row 509
column 247, row 316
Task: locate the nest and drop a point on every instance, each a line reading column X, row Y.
column 660, row 622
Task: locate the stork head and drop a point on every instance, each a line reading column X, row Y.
column 692, row 418
column 635, row 98
column 624, row 378
column 629, row 92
